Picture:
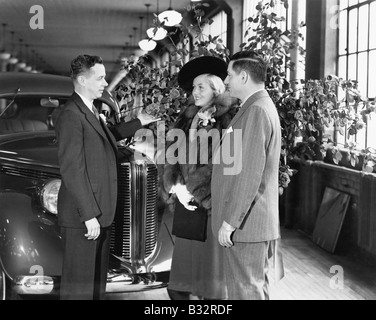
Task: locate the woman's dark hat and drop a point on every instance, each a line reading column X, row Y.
column 198, row 66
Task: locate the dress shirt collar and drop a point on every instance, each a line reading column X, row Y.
column 87, row 102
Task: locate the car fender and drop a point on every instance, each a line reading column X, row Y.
column 28, row 245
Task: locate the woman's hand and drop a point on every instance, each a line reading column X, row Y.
column 184, row 196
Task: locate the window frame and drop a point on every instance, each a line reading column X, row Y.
column 347, row 54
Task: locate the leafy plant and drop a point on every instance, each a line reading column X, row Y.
column 307, row 109
column 156, row 89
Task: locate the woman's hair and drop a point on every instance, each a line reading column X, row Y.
column 215, row 83
column 82, row 64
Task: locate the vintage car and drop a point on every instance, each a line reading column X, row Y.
column 30, row 242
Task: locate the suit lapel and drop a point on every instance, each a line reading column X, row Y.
column 109, row 135
column 94, row 121
column 251, row 100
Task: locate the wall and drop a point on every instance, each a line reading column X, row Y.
column 322, row 42
column 301, row 203
column 234, row 10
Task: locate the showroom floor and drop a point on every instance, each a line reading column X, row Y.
column 310, row 274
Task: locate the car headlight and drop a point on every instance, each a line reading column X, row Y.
column 49, row 194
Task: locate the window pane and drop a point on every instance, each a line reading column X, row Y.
column 361, row 138
column 372, row 75
column 353, row 27
column 363, row 28
column 342, row 73
column 352, row 68
column 362, row 72
column 352, row 2
column 343, row 32
column 342, row 67
column 371, row 132
column 341, row 139
column 372, row 38
column 343, row 4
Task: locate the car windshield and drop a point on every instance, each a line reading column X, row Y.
column 28, row 114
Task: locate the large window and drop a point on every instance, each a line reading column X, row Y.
column 357, row 57
column 218, row 27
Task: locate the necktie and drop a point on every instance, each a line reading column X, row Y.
column 95, row 111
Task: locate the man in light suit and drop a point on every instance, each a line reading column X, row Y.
column 245, row 205
column 87, row 152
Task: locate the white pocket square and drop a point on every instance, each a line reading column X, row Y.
column 229, row 130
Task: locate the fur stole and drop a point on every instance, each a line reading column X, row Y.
column 197, row 177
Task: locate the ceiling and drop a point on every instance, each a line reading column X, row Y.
column 72, row 27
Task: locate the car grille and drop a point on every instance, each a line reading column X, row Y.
column 27, row 172
column 135, row 228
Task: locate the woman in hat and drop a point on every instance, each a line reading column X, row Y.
column 196, row 265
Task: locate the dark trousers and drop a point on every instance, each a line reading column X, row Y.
column 85, row 265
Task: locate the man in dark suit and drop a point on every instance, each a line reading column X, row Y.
column 87, row 152
column 245, row 198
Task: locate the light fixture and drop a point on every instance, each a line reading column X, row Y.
column 170, row 17
column 146, row 44
column 27, row 68
column 156, row 33
column 4, row 55
column 34, row 61
column 13, row 59
column 21, row 64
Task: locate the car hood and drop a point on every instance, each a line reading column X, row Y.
column 39, row 149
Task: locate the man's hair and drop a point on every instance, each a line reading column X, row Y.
column 250, row 62
column 82, row 64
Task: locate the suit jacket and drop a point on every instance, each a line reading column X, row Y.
column 87, row 154
column 249, row 200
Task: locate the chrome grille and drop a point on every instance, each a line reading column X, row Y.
column 27, row 172
column 135, row 228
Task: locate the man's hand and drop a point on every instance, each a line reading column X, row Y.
column 93, row 229
column 184, row 196
column 224, row 235
column 146, row 118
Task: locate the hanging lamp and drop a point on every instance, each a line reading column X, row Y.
column 170, row 17
column 146, row 44
column 13, row 59
column 21, row 64
column 4, row 55
column 27, row 68
column 156, row 33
